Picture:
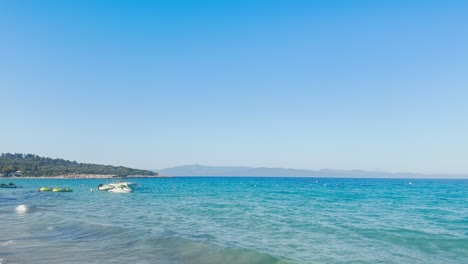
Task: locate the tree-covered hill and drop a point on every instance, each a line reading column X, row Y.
column 30, row 165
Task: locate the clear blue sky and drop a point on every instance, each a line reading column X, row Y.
column 301, row 84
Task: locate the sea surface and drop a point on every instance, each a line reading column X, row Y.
column 236, row 220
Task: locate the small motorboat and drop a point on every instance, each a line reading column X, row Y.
column 105, row 187
column 121, row 190
column 9, row 185
column 119, row 185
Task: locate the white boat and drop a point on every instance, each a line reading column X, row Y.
column 121, row 190
column 105, row 187
column 119, row 185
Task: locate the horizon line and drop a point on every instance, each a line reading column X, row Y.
column 320, row 170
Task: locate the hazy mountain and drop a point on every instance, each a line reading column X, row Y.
column 200, row 170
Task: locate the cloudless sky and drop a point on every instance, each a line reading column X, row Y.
column 300, row 84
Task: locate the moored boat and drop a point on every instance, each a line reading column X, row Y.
column 119, row 185
column 121, row 190
column 57, row 189
column 105, row 187
column 9, row 185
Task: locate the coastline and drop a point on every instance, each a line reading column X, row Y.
column 85, row 176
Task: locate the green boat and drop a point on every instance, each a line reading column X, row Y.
column 9, row 185
column 56, row 189
column 46, row 189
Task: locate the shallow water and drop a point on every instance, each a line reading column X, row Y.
column 237, row 220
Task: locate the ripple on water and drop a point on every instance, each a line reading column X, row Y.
column 210, row 220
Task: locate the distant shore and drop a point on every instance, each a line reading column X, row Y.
column 84, row 176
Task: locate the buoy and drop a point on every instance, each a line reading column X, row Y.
column 21, row 209
column 91, row 189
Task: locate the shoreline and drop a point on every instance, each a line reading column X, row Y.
column 84, row 176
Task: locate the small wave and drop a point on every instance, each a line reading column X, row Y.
column 171, row 249
column 100, row 242
column 183, row 250
column 81, row 231
column 9, row 242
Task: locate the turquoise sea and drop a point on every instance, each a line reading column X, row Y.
column 237, row 220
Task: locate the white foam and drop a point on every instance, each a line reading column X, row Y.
column 9, row 242
column 22, row 209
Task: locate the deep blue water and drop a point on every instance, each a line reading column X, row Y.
column 237, row 220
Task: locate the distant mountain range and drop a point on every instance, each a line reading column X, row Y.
column 200, row 170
